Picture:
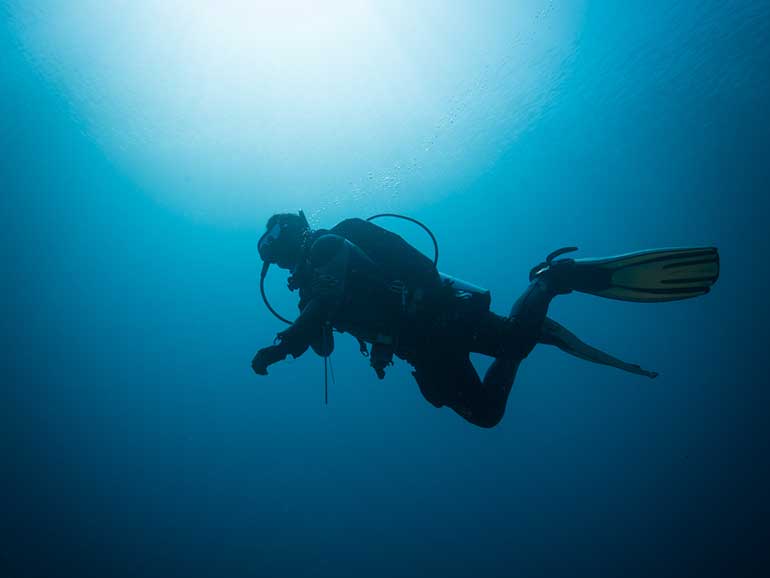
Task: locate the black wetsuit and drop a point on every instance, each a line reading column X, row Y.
column 361, row 279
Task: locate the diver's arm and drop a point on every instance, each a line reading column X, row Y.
column 296, row 339
column 328, row 259
column 326, row 288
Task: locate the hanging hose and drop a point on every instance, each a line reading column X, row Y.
column 265, row 267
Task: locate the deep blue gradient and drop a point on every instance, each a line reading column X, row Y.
column 136, row 441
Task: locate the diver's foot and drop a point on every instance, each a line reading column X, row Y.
column 557, row 275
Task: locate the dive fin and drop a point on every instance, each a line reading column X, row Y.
column 645, row 276
column 553, row 333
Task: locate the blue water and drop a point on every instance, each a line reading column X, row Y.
column 136, row 441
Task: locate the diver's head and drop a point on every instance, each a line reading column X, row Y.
column 282, row 242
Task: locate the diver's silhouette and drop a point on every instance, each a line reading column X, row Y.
column 364, row 280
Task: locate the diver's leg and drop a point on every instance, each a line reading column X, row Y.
column 528, row 313
column 500, row 376
column 513, row 337
column 449, row 378
column 446, row 375
column 510, row 339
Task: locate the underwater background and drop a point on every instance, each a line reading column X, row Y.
column 144, row 146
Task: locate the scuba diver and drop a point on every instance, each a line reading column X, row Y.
column 364, row 280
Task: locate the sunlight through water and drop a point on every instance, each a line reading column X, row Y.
column 229, row 110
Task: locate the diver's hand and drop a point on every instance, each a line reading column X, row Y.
column 266, row 357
